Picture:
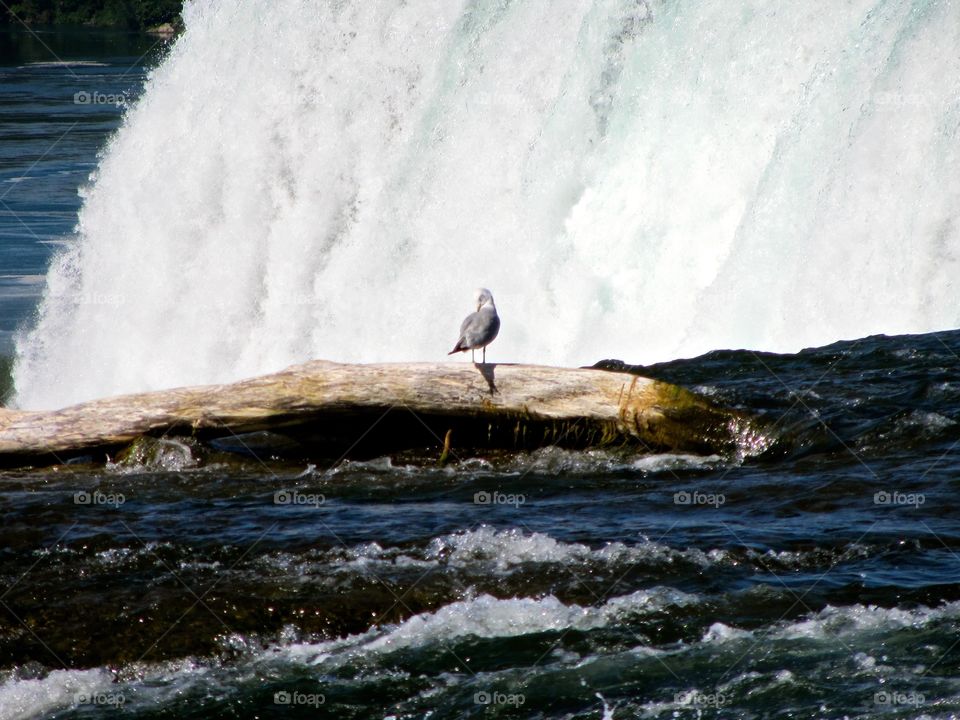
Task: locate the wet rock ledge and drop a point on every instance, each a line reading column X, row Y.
column 326, row 410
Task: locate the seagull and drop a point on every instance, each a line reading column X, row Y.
column 479, row 328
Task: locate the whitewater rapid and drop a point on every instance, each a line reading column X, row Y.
column 640, row 179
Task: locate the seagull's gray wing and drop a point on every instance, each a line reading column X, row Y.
column 468, row 322
column 478, row 330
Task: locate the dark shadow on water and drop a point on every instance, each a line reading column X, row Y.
column 486, row 369
column 6, row 379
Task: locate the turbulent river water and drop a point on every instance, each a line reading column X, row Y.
column 820, row 580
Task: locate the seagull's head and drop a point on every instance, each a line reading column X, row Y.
column 484, row 297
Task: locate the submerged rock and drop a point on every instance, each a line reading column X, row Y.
column 149, row 453
column 165, row 30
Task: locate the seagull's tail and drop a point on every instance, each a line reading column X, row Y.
column 459, row 347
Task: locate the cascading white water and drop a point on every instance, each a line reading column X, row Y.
column 641, row 179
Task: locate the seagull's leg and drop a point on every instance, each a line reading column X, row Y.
column 473, row 357
column 484, row 354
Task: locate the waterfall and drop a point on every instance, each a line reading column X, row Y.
column 640, row 179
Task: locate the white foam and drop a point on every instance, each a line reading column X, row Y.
column 607, row 709
column 864, row 661
column 488, row 617
column 831, row 622
column 242, row 217
column 671, row 462
column 506, row 549
column 485, row 616
column 785, row 677
column 720, row 632
column 856, row 619
column 482, row 616
column 29, row 698
column 502, row 548
column 557, row 461
column 488, row 550
column 928, row 421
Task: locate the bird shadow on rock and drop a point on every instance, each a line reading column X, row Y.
column 486, row 369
